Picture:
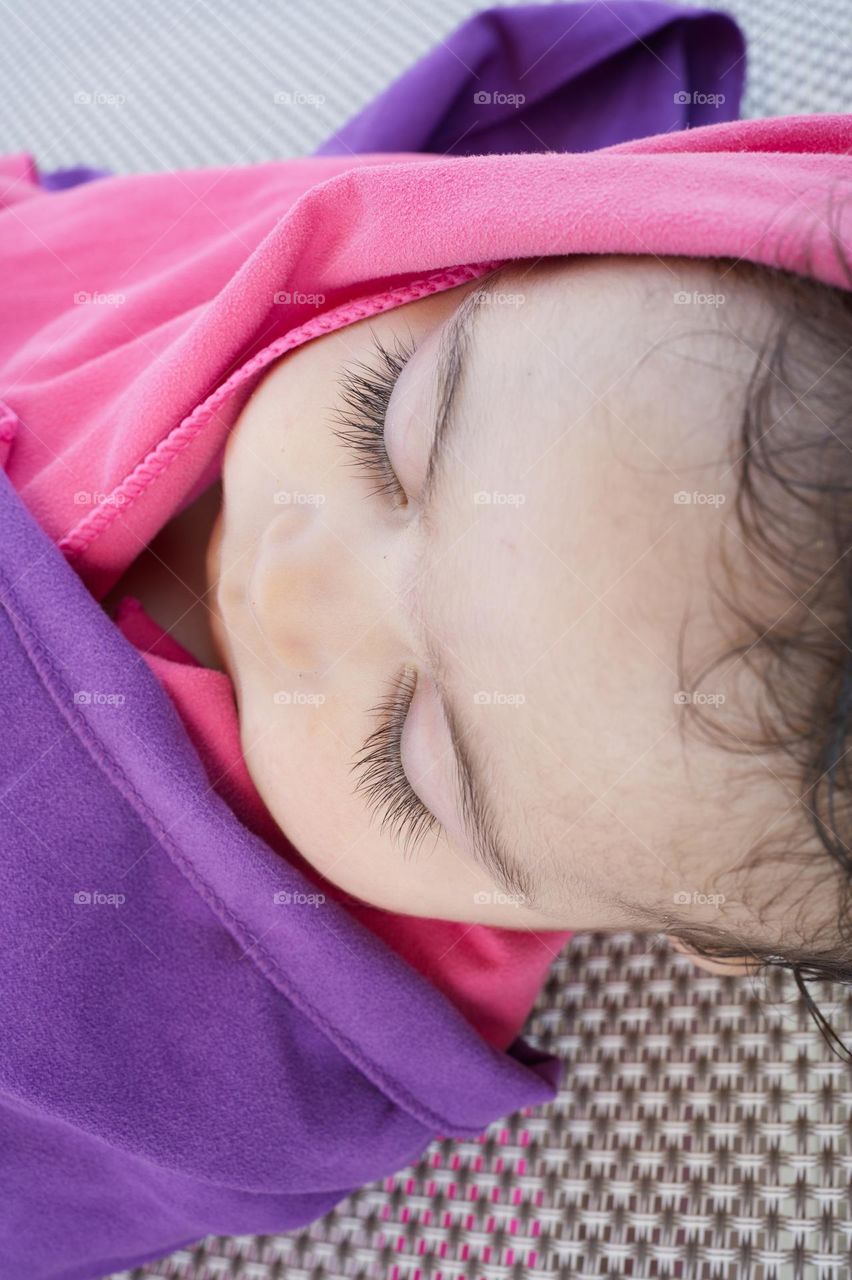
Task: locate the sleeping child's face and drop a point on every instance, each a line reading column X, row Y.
column 457, row 661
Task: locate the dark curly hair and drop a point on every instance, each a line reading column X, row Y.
column 794, row 510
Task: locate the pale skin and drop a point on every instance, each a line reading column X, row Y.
column 597, row 398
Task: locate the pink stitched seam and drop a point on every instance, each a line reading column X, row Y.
column 166, row 450
column 9, row 421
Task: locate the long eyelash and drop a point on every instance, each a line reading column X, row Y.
column 383, row 778
column 366, row 391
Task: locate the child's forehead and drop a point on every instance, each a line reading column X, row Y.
column 630, row 329
column 657, row 353
column 634, row 281
column 596, row 490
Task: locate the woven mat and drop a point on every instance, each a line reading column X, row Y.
column 702, row 1132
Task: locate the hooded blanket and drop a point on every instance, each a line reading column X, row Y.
column 179, row 1056
column 560, row 77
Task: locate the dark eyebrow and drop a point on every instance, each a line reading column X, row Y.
column 474, row 804
column 477, row 813
column 449, row 370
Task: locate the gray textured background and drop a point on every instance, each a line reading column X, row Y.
column 199, row 76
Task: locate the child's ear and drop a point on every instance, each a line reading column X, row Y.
column 734, row 966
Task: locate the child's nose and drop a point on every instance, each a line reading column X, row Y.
column 311, row 593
